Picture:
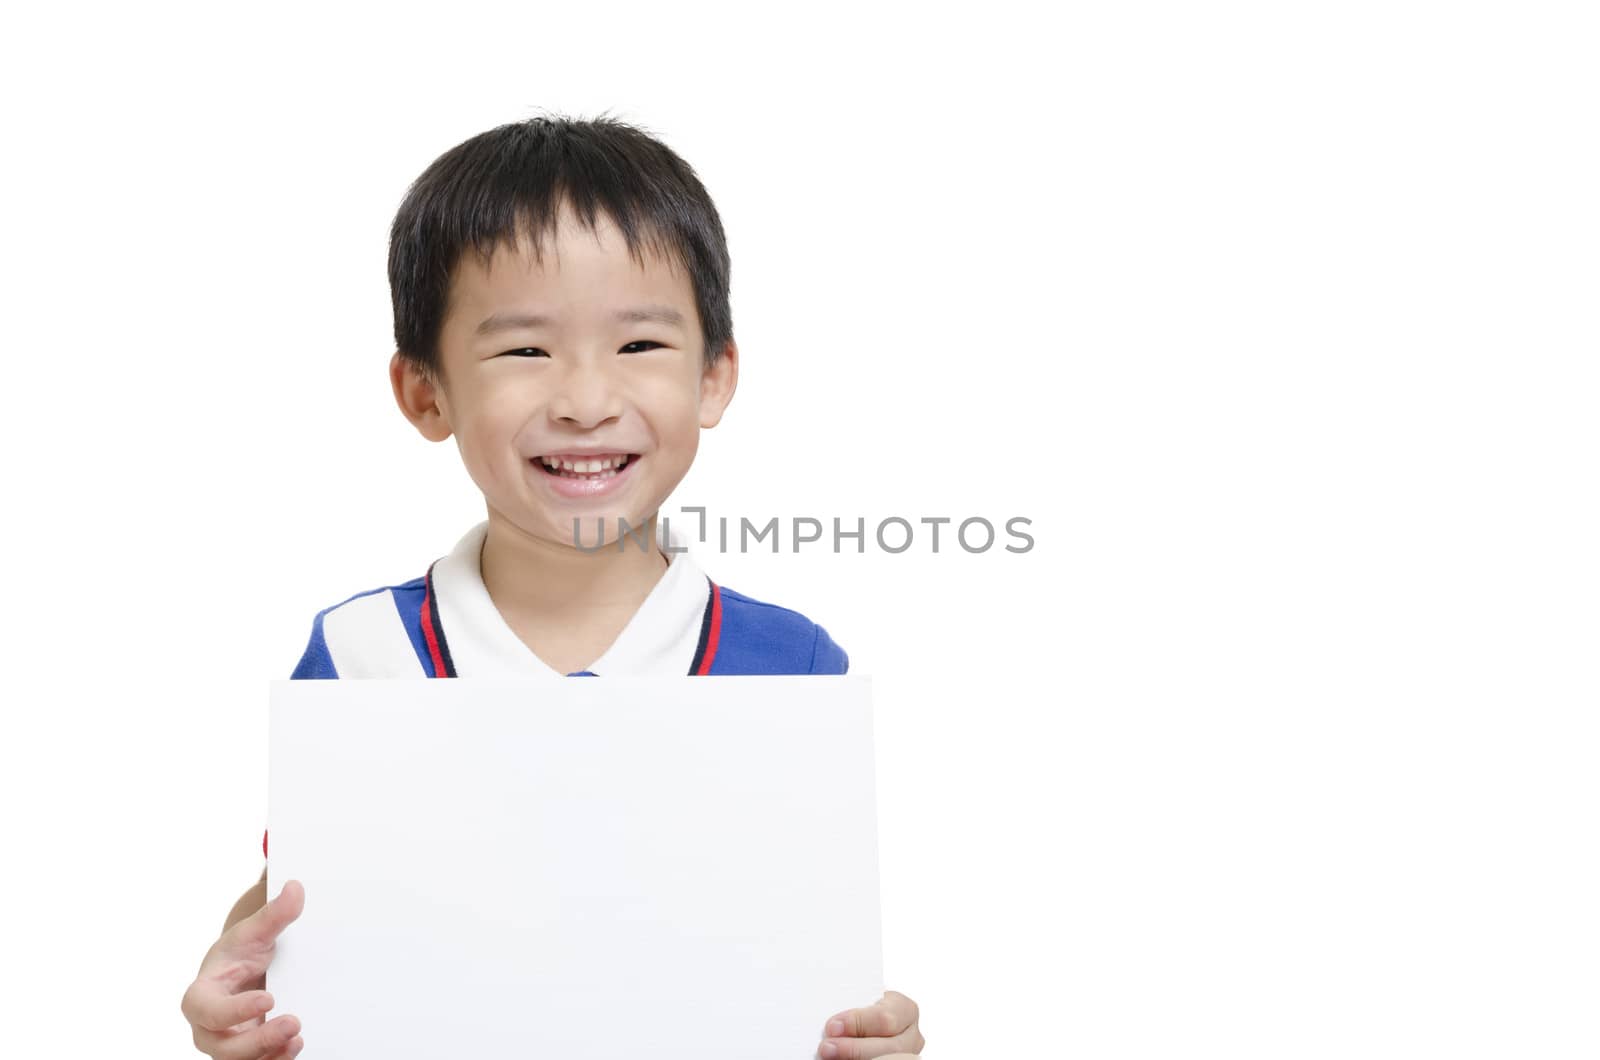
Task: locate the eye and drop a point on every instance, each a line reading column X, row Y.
column 526, row 351
column 640, row 342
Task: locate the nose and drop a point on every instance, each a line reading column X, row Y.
column 585, row 393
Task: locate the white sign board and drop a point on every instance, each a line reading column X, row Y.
column 574, row 867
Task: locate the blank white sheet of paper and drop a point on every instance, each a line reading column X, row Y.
column 574, row 868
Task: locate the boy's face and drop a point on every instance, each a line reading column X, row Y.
column 612, row 370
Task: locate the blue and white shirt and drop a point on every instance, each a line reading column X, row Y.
column 444, row 624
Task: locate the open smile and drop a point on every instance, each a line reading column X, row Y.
column 585, row 474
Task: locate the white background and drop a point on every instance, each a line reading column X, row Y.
column 1278, row 321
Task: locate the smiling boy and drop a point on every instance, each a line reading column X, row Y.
column 560, row 292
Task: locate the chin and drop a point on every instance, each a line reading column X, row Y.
column 597, row 528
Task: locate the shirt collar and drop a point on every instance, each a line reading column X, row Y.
column 660, row 638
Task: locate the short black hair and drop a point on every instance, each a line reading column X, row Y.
column 513, row 180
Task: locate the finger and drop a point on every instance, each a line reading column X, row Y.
column 289, row 1051
column 866, row 1048
column 262, row 927
column 209, row 1005
column 253, row 1044
column 902, row 1008
column 882, row 1019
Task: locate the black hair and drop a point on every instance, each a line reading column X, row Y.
column 513, row 180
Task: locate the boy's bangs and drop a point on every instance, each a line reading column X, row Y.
column 531, row 231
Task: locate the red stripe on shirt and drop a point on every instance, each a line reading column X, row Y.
column 716, row 630
column 427, row 633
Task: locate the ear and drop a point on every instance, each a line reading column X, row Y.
column 420, row 398
column 717, row 384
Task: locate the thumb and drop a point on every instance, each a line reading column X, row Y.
column 262, row 927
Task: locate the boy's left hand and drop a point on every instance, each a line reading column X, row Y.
column 884, row 1030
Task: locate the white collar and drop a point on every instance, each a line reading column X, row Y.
column 660, row 639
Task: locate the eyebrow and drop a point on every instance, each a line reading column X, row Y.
column 643, row 314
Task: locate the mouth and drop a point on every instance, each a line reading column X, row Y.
column 590, row 467
column 584, row 477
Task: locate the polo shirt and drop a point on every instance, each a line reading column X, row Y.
column 444, row 624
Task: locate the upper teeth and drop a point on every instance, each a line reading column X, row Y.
column 603, row 463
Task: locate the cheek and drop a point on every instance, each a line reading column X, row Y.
column 678, row 425
column 673, row 398
column 486, row 435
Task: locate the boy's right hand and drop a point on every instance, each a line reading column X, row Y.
column 226, row 1003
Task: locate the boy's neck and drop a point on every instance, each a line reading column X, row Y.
column 532, row 577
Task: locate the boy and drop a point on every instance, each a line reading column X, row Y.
column 560, row 294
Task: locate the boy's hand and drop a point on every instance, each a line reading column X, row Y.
column 885, row 1030
column 225, row 1003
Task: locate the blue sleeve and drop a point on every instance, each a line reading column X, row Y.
column 316, row 662
column 827, row 657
